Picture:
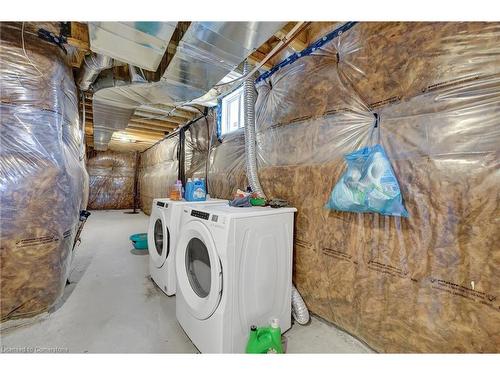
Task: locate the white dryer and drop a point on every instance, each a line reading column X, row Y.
column 164, row 225
column 234, row 270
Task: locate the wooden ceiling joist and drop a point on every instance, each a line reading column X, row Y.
column 141, row 132
column 299, row 41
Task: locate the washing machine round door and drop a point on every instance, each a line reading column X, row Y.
column 199, row 270
column 158, row 239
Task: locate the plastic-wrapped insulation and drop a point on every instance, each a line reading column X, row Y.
column 112, row 180
column 158, row 170
column 41, row 172
column 250, row 137
column 426, row 284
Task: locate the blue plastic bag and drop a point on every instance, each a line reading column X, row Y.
column 368, row 185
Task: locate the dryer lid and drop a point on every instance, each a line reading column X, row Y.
column 199, row 270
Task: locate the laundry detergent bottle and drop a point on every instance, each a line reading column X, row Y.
column 265, row 339
column 196, row 190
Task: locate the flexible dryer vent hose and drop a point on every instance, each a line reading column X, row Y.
column 299, row 308
column 250, row 136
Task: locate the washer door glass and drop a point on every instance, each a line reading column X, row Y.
column 158, row 238
column 198, row 267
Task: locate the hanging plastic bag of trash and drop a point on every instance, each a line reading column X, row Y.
column 368, row 185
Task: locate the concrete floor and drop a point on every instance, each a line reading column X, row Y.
column 111, row 304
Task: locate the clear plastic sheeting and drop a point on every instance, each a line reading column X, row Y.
column 226, row 171
column 42, row 178
column 427, row 283
column 112, row 180
column 159, row 169
column 196, row 144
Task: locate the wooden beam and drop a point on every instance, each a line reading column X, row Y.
column 141, row 132
column 79, row 36
column 256, row 57
column 299, row 42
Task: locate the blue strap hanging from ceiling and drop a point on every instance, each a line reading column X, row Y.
column 307, row 51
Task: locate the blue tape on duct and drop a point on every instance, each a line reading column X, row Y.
column 307, row 51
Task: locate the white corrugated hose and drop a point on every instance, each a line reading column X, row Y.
column 299, row 308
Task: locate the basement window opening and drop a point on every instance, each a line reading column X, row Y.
column 232, row 112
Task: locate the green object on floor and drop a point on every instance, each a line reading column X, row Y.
column 258, row 201
column 265, row 339
column 140, row 241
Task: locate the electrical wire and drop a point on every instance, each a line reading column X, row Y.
column 26, row 54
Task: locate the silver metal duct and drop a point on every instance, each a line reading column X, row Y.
column 93, row 64
column 115, row 113
column 141, row 44
column 116, row 117
column 207, row 52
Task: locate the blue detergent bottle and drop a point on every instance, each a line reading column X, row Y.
column 196, row 190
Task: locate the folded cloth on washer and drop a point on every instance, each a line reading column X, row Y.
column 241, row 202
column 278, row 203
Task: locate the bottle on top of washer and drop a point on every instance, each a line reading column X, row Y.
column 195, row 190
column 176, row 191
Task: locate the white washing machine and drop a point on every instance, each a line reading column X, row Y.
column 234, row 270
column 164, row 226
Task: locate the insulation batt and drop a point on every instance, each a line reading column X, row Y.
column 112, row 176
column 158, row 171
column 227, row 171
column 429, row 283
column 196, row 144
column 42, row 175
column 159, row 165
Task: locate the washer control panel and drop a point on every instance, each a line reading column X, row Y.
column 200, row 214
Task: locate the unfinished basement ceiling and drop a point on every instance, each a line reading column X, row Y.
column 150, row 123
